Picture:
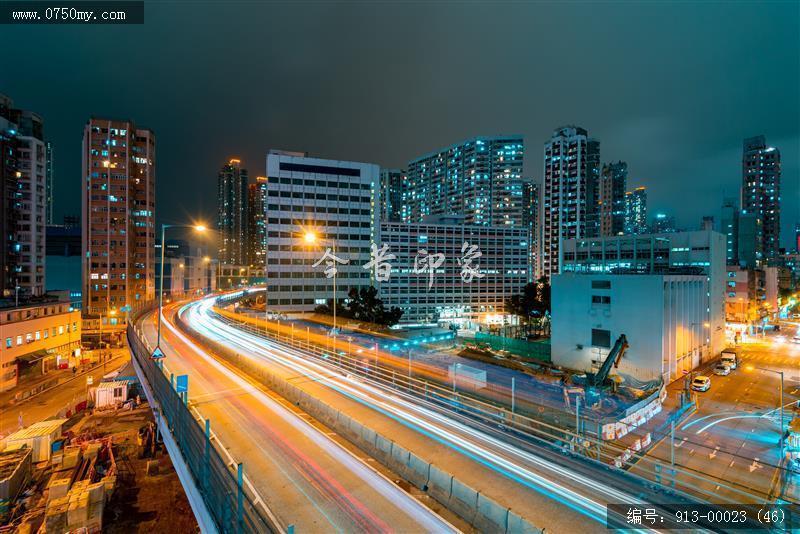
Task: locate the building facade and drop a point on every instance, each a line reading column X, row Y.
column 531, row 219
column 187, row 271
column 729, row 225
column 673, row 337
column 257, row 221
column 118, row 205
column 232, row 213
column 761, row 190
column 750, row 241
column 24, row 200
column 452, row 292
column 568, row 198
column 636, row 211
column 337, row 203
column 394, row 195
column 480, row 178
column 613, row 183
column 662, row 224
column 43, row 335
column 696, row 252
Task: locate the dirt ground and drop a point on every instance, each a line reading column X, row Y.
column 141, row 503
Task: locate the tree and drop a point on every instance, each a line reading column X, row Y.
column 363, row 305
column 533, row 302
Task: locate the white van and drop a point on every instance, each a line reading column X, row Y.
column 729, row 358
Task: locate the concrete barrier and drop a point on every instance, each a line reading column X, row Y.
column 478, row 510
column 440, row 484
column 491, row 517
column 463, row 501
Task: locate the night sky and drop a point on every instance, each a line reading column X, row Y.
column 670, row 88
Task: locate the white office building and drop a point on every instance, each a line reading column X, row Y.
column 469, row 286
column 664, row 317
column 337, row 202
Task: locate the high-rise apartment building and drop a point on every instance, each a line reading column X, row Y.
column 761, row 190
column 49, row 183
column 394, row 192
column 257, row 221
column 9, row 251
column 530, row 220
column 636, row 211
column 729, row 225
column 24, row 177
column 232, row 213
column 571, row 161
column 662, row 224
column 613, row 182
column 750, row 246
column 316, row 209
column 118, row 241
column 480, row 178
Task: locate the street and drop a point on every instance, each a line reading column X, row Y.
column 733, row 436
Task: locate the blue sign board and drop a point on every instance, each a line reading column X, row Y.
column 182, row 383
column 157, row 354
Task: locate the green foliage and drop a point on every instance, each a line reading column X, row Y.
column 363, row 305
column 533, row 302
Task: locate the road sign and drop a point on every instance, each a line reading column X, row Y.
column 89, row 380
column 157, row 354
column 182, row 383
column 125, row 309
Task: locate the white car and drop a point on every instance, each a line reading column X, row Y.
column 701, row 383
column 722, row 370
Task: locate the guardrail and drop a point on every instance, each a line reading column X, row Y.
column 584, row 444
column 221, row 483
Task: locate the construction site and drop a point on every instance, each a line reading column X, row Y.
column 100, row 468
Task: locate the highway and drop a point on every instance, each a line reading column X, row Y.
column 304, row 476
column 550, row 489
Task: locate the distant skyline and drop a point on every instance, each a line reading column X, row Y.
column 672, row 89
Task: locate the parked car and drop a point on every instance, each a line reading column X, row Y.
column 701, row 383
column 722, row 370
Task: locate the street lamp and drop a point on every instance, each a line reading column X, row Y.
column 752, row 367
column 311, row 238
column 197, row 228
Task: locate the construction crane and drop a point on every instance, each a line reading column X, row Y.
column 613, row 358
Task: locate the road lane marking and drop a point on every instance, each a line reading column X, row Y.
column 713, row 454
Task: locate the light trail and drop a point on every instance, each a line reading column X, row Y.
column 476, row 445
column 355, row 509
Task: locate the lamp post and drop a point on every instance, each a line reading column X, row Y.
column 198, row 228
column 311, row 238
column 111, row 313
column 750, row 368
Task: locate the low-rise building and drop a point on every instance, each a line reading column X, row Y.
column 693, row 252
column 469, row 286
column 45, row 334
column 663, row 316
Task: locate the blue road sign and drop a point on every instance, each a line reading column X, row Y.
column 182, row 383
column 157, row 354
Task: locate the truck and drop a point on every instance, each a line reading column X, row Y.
column 730, row 357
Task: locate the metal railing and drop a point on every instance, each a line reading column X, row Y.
column 233, row 507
